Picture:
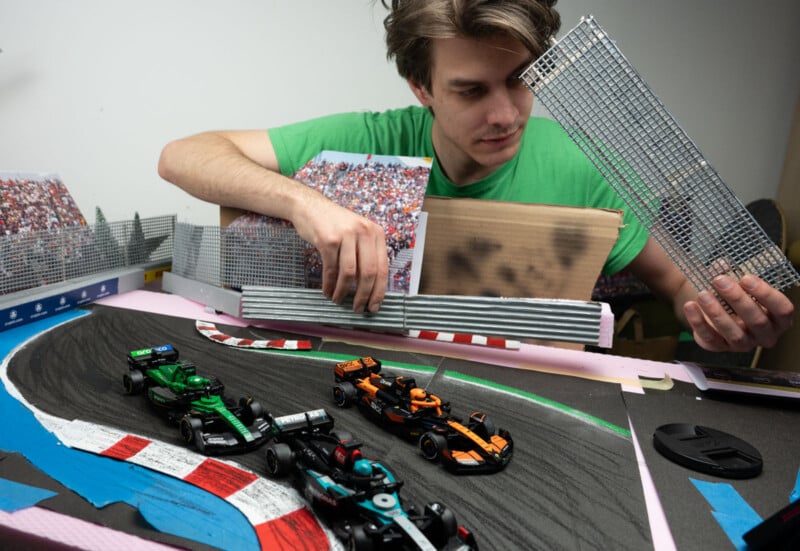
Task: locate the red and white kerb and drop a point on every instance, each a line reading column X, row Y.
column 210, row 330
column 464, row 338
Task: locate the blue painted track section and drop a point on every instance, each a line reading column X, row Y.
column 168, row 504
column 731, row 511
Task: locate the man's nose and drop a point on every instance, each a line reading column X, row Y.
column 502, row 111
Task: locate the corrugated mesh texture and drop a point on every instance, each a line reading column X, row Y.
column 238, row 256
column 589, row 87
column 35, row 258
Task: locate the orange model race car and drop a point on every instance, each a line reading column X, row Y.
column 397, row 403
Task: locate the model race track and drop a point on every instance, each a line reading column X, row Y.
column 573, row 482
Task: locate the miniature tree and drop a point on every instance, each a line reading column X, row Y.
column 109, row 254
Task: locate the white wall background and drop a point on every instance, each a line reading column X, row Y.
column 92, row 89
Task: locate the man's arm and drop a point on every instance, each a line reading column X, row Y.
column 240, row 169
column 761, row 313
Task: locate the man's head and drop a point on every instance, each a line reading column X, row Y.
column 462, row 60
column 412, row 25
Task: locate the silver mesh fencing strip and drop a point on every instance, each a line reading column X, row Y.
column 608, row 110
column 527, row 318
column 34, row 259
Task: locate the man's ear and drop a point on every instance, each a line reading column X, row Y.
column 422, row 94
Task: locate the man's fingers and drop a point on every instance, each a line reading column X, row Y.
column 705, row 335
column 381, row 275
column 347, row 269
column 776, row 305
column 373, row 272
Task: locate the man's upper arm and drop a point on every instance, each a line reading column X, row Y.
column 255, row 145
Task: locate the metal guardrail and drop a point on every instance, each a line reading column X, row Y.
column 526, row 318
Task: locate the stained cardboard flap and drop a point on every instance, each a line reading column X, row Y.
column 495, row 248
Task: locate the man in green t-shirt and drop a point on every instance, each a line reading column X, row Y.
column 462, row 61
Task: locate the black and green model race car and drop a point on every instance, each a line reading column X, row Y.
column 197, row 404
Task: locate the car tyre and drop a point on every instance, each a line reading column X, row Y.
column 133, row 381
column 444, row 526
column 191, row 429
column 483, row 426
column 252, row 410
column 359, row 540
column 344, row 394
column 279, row 459
column 431, row 445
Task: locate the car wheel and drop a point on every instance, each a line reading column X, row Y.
column 344, row 394
column 431, row 445
column 444, row 526
column 252, row 410
column 133, row 381
column 191, row 428
column 359, row 540
column 482, row 425
column 279, row 459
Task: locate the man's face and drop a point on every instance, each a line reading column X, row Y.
column 479, row 104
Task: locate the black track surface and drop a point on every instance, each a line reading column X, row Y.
column 571, row 485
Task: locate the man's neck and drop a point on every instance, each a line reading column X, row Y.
column 458, row 167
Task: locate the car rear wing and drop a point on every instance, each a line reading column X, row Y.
column 307, row 420
column 357, row 369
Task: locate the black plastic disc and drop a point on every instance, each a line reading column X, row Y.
column 707, row 450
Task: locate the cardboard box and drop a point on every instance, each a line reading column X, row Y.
column 494, row 248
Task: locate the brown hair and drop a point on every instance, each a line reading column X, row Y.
column 412, row 24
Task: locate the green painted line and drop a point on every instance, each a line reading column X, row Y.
column 541, row 400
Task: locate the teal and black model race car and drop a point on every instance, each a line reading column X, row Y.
column 197, row 404
column 359, row 495
column 398, row 404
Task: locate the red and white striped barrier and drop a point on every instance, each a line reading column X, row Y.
column 464, row 338
column 278, row 514
column 210, row 330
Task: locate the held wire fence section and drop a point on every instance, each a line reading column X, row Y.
column 608, row 110
column 37, row 258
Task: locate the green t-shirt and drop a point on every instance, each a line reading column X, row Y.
column 548, row 169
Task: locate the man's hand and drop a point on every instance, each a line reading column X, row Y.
column 240, row 169
column 353, row 251
column 760, row 315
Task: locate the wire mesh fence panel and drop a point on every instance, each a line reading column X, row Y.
column 272, row 255
column 590, row 88
column 33, row 259
column 245, row 255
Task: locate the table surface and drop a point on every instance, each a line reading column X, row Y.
column 575, row 481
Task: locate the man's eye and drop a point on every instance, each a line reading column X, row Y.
column 469, row 92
